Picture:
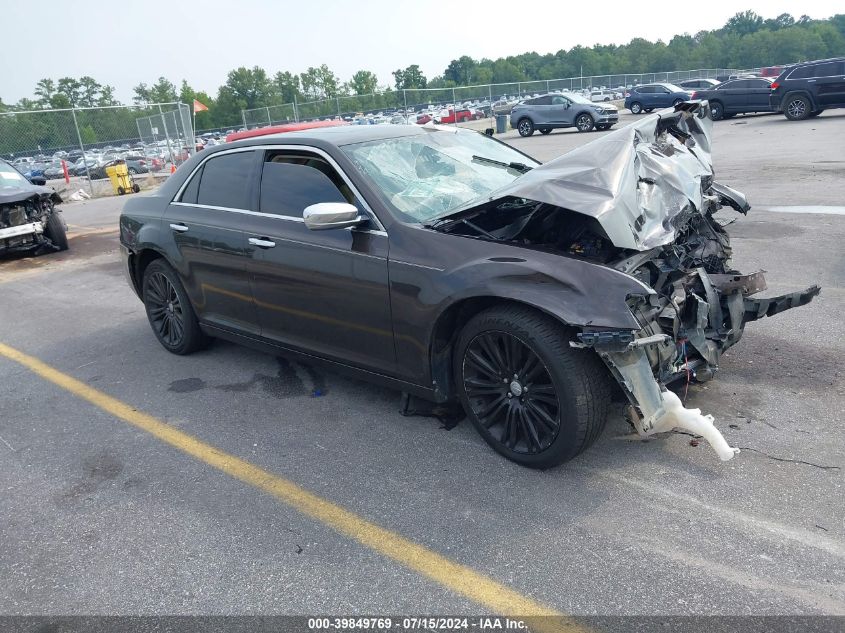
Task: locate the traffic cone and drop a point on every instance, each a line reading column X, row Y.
column 172, row 168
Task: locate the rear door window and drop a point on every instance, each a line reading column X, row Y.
column 226, row 181
column 829, row 69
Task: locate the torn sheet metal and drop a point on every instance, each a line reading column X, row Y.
column 635, row 181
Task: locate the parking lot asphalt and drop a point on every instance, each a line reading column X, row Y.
column 103, row 517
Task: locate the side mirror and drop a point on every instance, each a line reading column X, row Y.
column 38, row 180
column 331, row 215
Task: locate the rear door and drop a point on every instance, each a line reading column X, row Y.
column 542, row 110
column 757, row 95
column 829, row 79
column 204, row 222
column 325, row 292
column 734, row 95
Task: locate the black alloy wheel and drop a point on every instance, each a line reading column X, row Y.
column 164, row 309
column 716, row 111
column 169, row 311
column 530, row 395
column 511, row 392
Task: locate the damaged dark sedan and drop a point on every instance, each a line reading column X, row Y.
column 448, row 265
column 29, row 219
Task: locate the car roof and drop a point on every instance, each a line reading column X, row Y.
column 817, row 61
column 339, row 135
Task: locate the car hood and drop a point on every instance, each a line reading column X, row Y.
column 8, row 195
column 635, row 181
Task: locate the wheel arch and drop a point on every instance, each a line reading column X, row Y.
column 138, row 263
column 448, row 326
column 803, row 92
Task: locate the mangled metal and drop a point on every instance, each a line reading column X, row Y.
column 29, row 218
column 642, row 200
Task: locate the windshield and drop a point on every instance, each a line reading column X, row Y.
column 426, row 176
column 9, row 176
column 579, row 98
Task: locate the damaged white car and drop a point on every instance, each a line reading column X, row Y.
column 29, row 218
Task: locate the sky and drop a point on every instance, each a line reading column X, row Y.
column 138, row 41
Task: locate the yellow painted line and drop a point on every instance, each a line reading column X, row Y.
column 458, row 578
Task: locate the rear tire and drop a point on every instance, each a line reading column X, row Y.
column 55, row 230
column 525, row 127
column 558, row 394
column 169, row 310
column 797, row 108
column 545, row 130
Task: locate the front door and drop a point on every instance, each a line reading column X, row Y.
column 758, row 93
column 830, row 83
column 324, row 292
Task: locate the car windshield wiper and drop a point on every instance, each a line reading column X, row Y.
column 520, row 167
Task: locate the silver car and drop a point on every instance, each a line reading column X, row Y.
column 551, row 111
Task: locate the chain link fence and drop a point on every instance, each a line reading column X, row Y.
column 148, row 137
column 414, row 99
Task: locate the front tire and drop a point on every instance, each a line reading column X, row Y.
column 636, row 107
column 169, row 310
column 717, row 111
column 532, row 397
column 797, row 108
column 584, row 122
column 56, row 231
column 525, row 127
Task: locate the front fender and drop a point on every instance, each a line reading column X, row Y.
column 573, row 291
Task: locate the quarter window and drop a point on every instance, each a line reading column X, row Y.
column 801, row 73
column 225, row 181
column 189, row 194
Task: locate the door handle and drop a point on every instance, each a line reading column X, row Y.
column 261, row 242
column 179, row 228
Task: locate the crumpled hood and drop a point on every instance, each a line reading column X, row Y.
column 15, row 193
column 635, row 180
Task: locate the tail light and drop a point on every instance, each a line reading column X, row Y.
column 775, row 85
column 694, row 94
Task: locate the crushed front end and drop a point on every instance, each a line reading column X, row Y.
column 643, row 201
column 24, row 218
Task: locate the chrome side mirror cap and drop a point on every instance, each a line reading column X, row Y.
column 332, row 215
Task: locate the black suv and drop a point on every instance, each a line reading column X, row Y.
column 806, row 90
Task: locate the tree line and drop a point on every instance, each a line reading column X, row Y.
column 746, row 40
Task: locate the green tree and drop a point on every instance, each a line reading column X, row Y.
column 409, row 78
column 744, row 23
column 363, row 82
column 288, row 86
column 461, row 71
column 45, row 90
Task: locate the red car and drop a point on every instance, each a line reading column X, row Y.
column 464, row 114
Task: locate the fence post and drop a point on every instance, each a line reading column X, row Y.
column 338, row 105
column 243, row 117
column 82, row 149
column 269, row 120
column 295, row 115
column 405, row 99
column 166, row 135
